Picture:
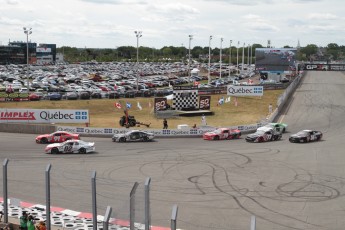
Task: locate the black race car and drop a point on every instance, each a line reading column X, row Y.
column 305, row 136
column 133, row 135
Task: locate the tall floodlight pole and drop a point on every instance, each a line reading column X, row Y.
column 189, row 72
column 220, row 59
column 209, row 60
column 243, row 57
column 138, row 34
column 238, row 44
column 27, row 31
column 230, row 58
column 251, row 54
column 248, row 55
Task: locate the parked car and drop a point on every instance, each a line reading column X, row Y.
column 54, row 96
column 72, row 96
column 71, row 146
column 34, row 97
column 305, row 136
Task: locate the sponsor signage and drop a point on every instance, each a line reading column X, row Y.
column 44, row 116
column 43, row 50
column 205, row 102
column 156, row 132
column 240, row 90
column 160, row 103
column 185, row 87
column 14, row 95
column 316, row 67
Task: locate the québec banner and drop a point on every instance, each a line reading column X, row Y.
column 240, row 90
column 43, row 116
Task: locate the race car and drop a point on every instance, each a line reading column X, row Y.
column 71, row 146
column 305, row 136
column 133, row 135
column 222, row 134
column 56, row 137
column 263, row 135
column 279, row 127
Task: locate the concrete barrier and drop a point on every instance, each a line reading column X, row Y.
column 26, row 128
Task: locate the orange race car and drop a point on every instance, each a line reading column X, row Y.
column 56, row 137
column 222, row 134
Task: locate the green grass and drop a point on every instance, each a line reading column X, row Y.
column 103, row 113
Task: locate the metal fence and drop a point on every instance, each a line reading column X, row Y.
column 110, row 209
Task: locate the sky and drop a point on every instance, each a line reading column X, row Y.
column 111, row 23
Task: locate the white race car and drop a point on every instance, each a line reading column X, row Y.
column 71, row 146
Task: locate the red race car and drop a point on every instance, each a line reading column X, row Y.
column 222, row 134
column 56, row 137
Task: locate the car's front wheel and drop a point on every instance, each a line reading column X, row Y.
column 44, row 140
column 216, row 138
column 145, row 139
column 82, row 151
column 54, row 151
column 122, row 139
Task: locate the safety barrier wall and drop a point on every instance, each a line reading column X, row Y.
column 26, row 128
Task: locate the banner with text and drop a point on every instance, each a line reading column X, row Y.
column 205, row 102
column 160, row 103
column 44, row 116
column 241, row 90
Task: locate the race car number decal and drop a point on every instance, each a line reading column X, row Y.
column 67, row 148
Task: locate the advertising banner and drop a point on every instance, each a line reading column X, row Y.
column 44, row 116
column 43, row 50
column 205, row 102
column 160, row 103
column 14, row 96
column 241, row 90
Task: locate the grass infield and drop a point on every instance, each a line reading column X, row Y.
column 103, row 112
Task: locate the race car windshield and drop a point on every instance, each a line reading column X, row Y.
column 260, row 132
column 302, row 133
column 217, row 131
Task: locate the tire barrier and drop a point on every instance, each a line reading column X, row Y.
column 59, row 219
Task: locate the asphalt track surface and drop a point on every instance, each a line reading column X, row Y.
column 216, row 184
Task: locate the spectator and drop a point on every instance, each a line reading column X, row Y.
column 41, row 226
column 270, row 109
column 31, row 223
column 23, row 221
column 165, row 124
column 194, row 126
column 203, row 120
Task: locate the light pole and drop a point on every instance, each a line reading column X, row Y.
column 27, row 31
column 220, row 59
column 230, row 58
column 251, row 54
column 248, row 56
column 209, row 59
column 238, row 44
column 189, row 72
column 242, row 57
column 138, row 34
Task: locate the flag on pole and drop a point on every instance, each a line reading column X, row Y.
column 128, row 105
column 118, row 105
column 235, row 101
column 228, row 99
column 221, row 101
column 139, row 106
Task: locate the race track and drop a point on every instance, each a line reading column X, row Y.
column 216, row 185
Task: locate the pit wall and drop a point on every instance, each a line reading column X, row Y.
column 108, row 132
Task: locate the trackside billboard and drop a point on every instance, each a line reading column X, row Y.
column 241, row 90
column 43, row 116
